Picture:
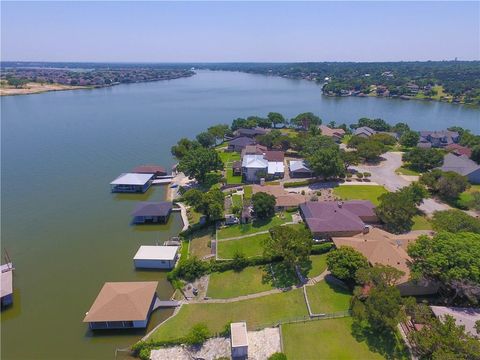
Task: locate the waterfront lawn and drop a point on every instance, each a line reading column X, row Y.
column 229, row 284
column 249, row 246
column 421, row 222
column 257, row 312
column 360, row 192
column 404, row 170
column 228, row 158
column 328, row 298
column 237, row 200
column 325, row 339
column 200, row 243
column 254, row 227
column 319, row 265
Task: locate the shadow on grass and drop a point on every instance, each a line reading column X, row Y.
column 279, row 275
column 385, row 343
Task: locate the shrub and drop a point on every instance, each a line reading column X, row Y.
column 455, row 221
column 226, row 330
column 239, row 261
column 300, row 183
column 197, row 335
column 277, row 356
column 367, row 174
column 319, row 249
column 360, row 175
column 190, row 269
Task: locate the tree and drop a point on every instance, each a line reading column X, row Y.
column 409, row 138
column 206, row 139
column 385, row 139
column 219, row 131
column 326, row 162
column 198, row 162
column 344, row 263
column 263, row 205
column 290, row 244
column 370, row 150
column 421, row 159
column 276, row 118
column 476, row 154
column 355, row 141
column 182, row 147
column 197, row 335
column 444, row 340
column 305, row 120
column 375, row 124
column 416, row 192
column 474, row 203
column 379, row 275
column 455, row 221
column 191, row 269
column 451, row 259
column 396, row 210
column 401, row 128
column 349, row 158
column 447, row 184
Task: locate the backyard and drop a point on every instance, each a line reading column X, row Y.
column 249, row 246
column 328, row 298
column 256, row 312
column 228, row 158
column 360, row 192
column 200, row 243
column 253, row 227
column 329, row 339
column 421, row 222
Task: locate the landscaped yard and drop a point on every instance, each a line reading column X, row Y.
column 228, row 158
column 406, row 171
column 249, row 246
column 237, row 200
column 466, row 196
column 327, row 298
column 319, row 265
column 421, row 223
column 200, row 244
column 247, row 192
column 252, row 228
column 324, row 339
column 230, row 283
column 257, row 312
column 360, row 192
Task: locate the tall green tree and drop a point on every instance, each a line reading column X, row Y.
column 219, row 131
column 292, row 245
column 326, row 162
column 371, row 150
column 276, row 118
column 455, row 221
column 182, row 147
column 476, row 154
column 344, row 263
column 198, row 162
column 421, row 159
column 447, row 184
column 206, row 139
column 263, row 205
column 409, row 138
column 305, row 120
column 396, row 210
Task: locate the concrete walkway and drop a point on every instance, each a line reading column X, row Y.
column 183, row 213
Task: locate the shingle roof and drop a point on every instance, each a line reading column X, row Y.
column 326, row 131
column 364, row 130
column 459, row 149
column 241, row 141
column 146, row 208
column 122, row 301
column 459, row 164
column 299, row 165
column 274, row 155
column 251, row 132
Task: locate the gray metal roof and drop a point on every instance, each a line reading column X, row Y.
column 459, row 164
column 146, row 208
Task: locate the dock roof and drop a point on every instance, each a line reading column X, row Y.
column 156, row 253
column 122, row 301
column 132, row 179
column 147, row 208
column 149, row 169
column 239, row 336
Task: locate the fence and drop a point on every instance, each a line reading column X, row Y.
column 305, row 318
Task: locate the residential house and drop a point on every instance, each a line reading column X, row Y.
column 256, row 149
column 276, row 168
column 254, row 167
column 283, row 199
column 462, row 165
column 239, row 143
column 237, row 168
column 439, row 138
column 132, row 183
column 327, row 219
column 122, row 305
column 364, row 131
column 299, row 169
column 467, row 317
column 156, row 257
column 251, row 132
column 458, row 149
column 150, row 169
column 336, row 134
column 152, row 212
column 239, row 340
column 381, row 247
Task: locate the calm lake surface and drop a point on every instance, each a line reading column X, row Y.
column 67, row 234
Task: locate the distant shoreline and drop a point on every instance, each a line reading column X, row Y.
column 37, row 88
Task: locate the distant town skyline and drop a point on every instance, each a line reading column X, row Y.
column 239, row 31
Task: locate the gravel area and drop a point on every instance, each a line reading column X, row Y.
column 261, row 344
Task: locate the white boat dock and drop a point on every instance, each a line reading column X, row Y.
column 161, row 181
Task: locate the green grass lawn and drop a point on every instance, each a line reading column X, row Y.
column 228, row 158
column 406, row 171
column 200, row 243
column 256, row 312
column 360, row 192
column 327, row 298
column 229, row 284
column 247, row 192
column 465, row 197
column 249, row 246
column 319, row 265
column 237, row 200
column 324, row 339
column 252, row 228
column 421, row 223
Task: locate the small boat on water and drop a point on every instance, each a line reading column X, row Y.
column 6, row 285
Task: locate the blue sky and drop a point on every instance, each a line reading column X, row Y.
column 239, row 31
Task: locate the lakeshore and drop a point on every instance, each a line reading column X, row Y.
column 37, row 88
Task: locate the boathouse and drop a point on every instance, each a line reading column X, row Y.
column 131, row 183
column 239, row 340
column 150, row 169
column 6, row 284
column 156, row 257
column 147, row 212
column 122, row 305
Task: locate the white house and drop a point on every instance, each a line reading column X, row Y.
column 239, row 340
column 156, row 257
column 254, row 167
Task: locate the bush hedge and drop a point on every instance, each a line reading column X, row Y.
column 321, row 248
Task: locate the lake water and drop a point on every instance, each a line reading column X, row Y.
column 67, row 234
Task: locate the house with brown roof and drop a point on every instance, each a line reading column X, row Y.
column 122, row 305
column 459, row 150
column 336, row 134
column 283, row 199
column 327, row 219
column 150, row 169
column 256, row 149
column 381, row 247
